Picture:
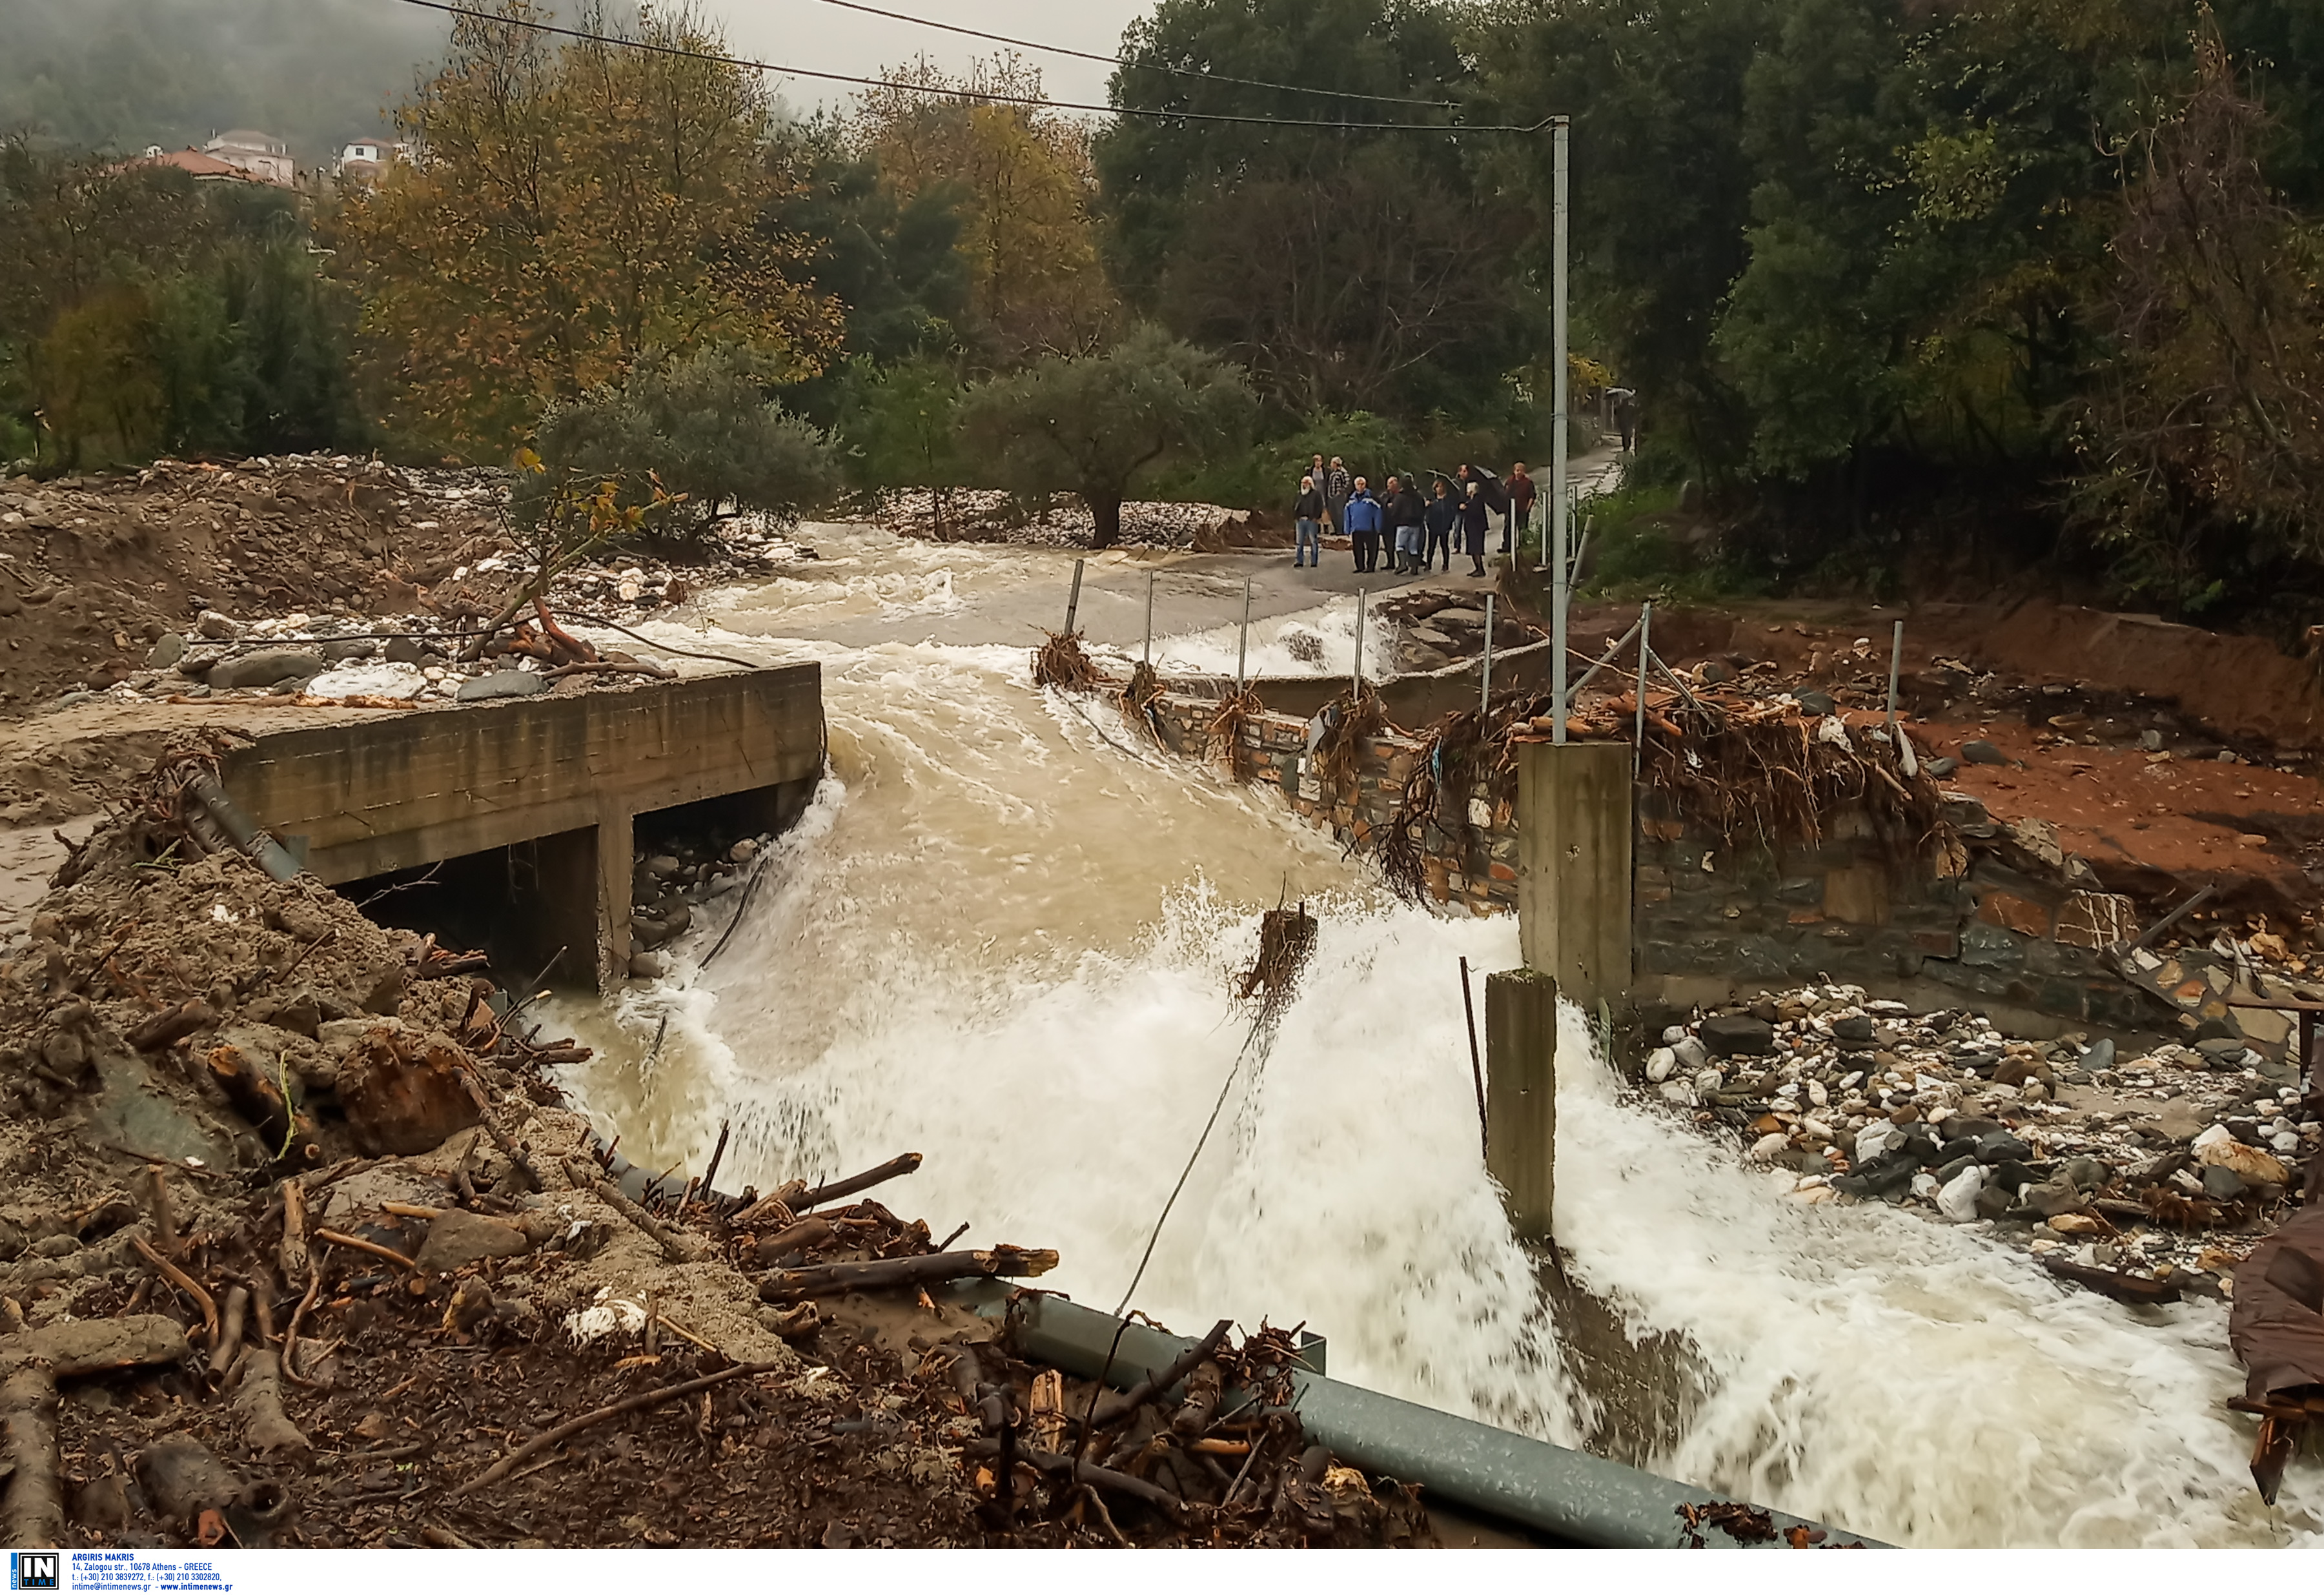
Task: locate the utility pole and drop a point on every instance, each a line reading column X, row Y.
column 1554, row 535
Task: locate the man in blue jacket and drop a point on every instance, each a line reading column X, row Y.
column 1362, row 516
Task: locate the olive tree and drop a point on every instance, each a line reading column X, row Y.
column 702, row 431
column 1093, row 424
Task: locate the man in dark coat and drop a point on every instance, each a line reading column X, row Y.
column 1476, row 519
column 1442, row 515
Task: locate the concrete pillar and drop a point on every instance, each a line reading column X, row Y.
column 616, row 861
column 1575, row 832
column 1521, row 1095
column 556, row 904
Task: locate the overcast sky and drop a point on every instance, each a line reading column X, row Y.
column 811, row 33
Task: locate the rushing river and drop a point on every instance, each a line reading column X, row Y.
column 1002, row 936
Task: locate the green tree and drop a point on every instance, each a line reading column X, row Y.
column 140, row 312
column 2205, row 439
column 902, row 427
column 890, row 262
column 1095, row 424
column 689, row 441
column 1018, row 179
column 1661, row 182
column 1350, row 270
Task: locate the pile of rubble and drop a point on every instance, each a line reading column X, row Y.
column 2146, row 1177
column 298, row 1246
column 1435, row 629
column 982, row 515
column 97, row 569
column 136, row 586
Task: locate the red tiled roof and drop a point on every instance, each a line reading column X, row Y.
column 195, row 162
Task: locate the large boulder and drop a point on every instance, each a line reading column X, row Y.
column 457, row 1238
column 269, row 666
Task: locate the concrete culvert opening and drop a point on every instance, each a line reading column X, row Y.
column 695, row 860
column 532, row 907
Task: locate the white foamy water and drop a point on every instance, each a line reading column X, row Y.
column 1002, row 938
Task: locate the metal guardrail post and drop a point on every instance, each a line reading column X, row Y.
column 1242, row 642
column 1638, row 747
column 1896, row 666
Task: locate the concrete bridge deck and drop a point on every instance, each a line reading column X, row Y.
column 561, row 777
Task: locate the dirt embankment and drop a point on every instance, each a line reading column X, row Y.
column 293, row 1223
column 93, row 571
column 2169, row 758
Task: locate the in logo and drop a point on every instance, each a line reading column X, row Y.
column 35, row 1570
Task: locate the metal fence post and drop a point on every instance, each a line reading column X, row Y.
column 1896, row 663
column 1074, row 602
column 1646, row 624
column 1243, row 642
column 1485, row 683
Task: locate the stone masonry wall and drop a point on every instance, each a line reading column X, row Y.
column 1850, row 909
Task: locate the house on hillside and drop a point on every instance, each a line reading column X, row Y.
column 205, row 169
column 261, row 155
column 362, row 161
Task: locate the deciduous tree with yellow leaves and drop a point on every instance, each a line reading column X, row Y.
column 1025, row 190
column 572, row 208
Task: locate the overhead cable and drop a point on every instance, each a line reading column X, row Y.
column 946, row 91
column 1116, row 61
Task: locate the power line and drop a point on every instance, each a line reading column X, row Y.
column 1035, row 101
column 1115, row 61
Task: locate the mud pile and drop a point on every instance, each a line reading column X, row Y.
column 97, row 569
column 138, row 585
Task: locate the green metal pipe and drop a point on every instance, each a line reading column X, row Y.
column 247, row 832
column 1569, row 1497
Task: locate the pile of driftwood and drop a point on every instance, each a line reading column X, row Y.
column 1062, row 662
column 1209, row 1446
column 1209, row 1449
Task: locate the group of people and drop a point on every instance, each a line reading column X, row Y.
column 1416, row 532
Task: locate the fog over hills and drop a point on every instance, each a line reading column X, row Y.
column 123, row 74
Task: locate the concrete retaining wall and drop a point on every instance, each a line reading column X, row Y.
column 1715, row 922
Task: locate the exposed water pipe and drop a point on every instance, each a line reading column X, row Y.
column 247, row 832
column 1567, row 1496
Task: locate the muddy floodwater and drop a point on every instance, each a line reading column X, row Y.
column 1002, row 936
